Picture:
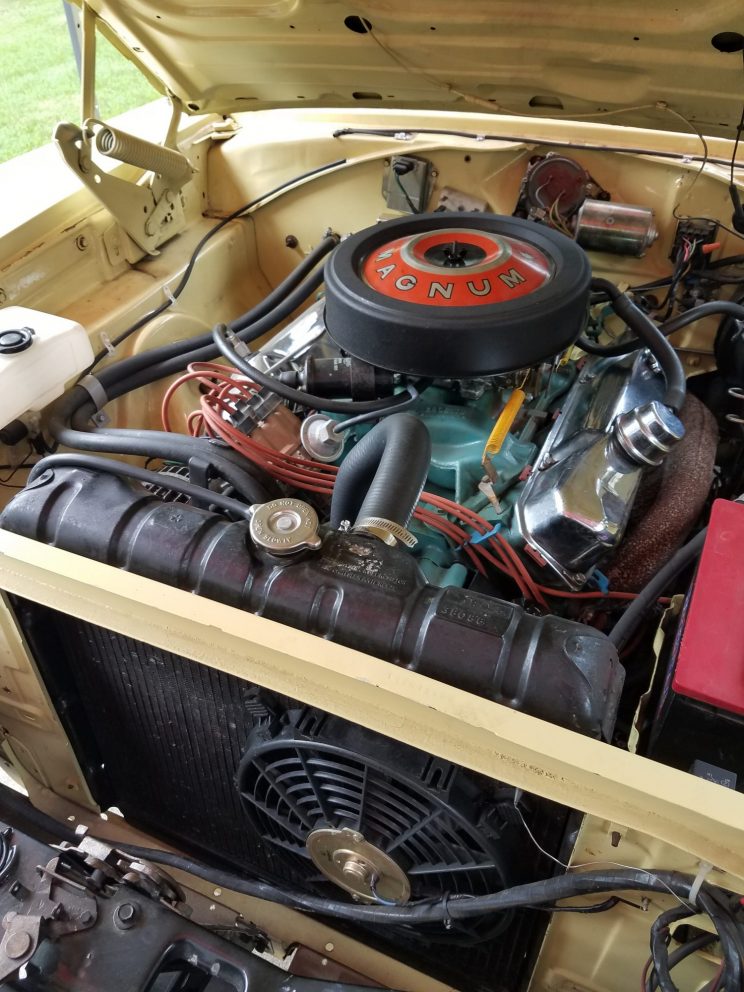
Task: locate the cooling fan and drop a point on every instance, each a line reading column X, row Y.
column 376, row 818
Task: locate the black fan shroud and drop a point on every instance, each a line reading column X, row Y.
column 435, row 819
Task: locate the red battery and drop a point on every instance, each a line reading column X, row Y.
column 710, row 663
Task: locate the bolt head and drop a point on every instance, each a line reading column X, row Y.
column 125, row 915
column 356, row 870
column 18, row 944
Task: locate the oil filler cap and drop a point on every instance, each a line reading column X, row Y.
column 15, row 340
column 284, row 526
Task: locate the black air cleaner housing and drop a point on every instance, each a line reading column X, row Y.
column 456, row 295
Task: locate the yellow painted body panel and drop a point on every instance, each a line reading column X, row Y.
column 663, row 817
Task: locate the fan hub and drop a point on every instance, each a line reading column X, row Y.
column 354, row 869
column 358, row 867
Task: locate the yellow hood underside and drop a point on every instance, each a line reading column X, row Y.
column 546, row 57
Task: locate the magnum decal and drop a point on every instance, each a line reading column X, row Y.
column 456, row 267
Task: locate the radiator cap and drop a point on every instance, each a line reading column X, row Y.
column 284, row 526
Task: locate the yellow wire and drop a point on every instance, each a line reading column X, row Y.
column 504, row 424
column 558, row 222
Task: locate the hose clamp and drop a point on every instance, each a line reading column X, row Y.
column 387, row 530
column 95, row 390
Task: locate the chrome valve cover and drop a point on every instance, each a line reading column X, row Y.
column 575, row 505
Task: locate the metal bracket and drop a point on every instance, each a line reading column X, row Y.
column 406, row 183
column 220, row 130
column 58, row 906
column 150, row 212
column 115, row 867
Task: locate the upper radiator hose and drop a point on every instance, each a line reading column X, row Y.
column 382, row 477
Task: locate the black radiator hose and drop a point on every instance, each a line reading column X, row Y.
column 649, row 335
column 384, row 474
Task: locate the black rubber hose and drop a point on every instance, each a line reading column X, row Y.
column 727, row 307
column 308, row 400
column 283, row 300
column 722, row 263
column 131, row 374
column 364, row 418
column 383, row 475
column 649, row 336
column 178, row 363
column 646, row 598
column 77, row 407
column 17, row 811
column 123, row 470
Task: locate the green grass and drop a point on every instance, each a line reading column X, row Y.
column 39, row 83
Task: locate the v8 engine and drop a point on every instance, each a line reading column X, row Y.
column 442, row 462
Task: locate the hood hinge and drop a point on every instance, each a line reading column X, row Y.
column 151, row 210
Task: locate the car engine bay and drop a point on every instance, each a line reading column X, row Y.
column 488, row 430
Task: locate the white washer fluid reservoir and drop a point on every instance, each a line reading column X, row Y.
column 39, row 354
